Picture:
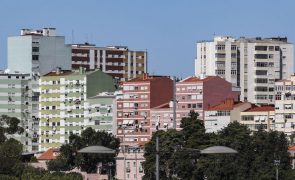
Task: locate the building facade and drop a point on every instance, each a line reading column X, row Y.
column 253, row 64
column 133, row 110
column 193, row 93
column 69, row 103
column 129, row 164
column 259, row 117
column 118, row 61
column 15, row 90
column 285, row 105
column 38, row 52
column 219, row 116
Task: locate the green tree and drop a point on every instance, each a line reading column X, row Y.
column 178, row 154
column 10, row 149
column 87, row 162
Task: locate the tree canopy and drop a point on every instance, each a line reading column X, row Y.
column 70, row 158
column 180, row 157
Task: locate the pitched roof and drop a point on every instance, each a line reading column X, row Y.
column 197, row 79
column 228, row 104
column 50, row 154
column 291, row 147
column 260, row 108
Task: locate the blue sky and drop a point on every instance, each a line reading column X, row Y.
column 168, row 29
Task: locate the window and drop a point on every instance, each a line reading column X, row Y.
column 260, row 48
column 220, row 71
column 261, row 64
column 277, row 48
column 278, row 97
column 233, row 47
column 261, row 56
column 35, row 49
column 35, row 57
column 261, row 72
column 261, row 88
column 270, row 48
column 220, row 47
column 247, row 118
column 261, row 80
column 220, row 55
column 97, row 122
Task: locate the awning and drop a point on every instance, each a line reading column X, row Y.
column 262, row 118
column 131, row 122
column 256, row 118
column 125, row 121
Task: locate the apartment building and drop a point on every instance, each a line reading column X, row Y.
column 259, row 117
column 118, row 61
column 15, row 90
column 129, row 164
column 284, row 105
column 38, row 52
column 192, row 93
column 253, row 64
column 133, row 110
column 219, row 116
column 70, row 102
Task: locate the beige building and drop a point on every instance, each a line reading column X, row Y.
column 219, row 116
column 120, row 62
column 259, row 116
column 284, row 105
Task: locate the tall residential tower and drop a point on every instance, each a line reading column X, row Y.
column 253, row 64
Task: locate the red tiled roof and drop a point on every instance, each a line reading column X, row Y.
column 49, row 154
column 197, row 79
column 260, row 108
column 228, row 104
column 292, row 147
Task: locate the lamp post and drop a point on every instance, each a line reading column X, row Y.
column 277, row 163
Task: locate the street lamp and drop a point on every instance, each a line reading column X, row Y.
column 277, row 163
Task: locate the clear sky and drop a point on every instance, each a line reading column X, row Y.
column 168, row 29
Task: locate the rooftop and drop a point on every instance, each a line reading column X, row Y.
column 228, row 104
column 291, row 148
column 260, row 109
column 147, row 78
column 50, row 154
column 197, row 79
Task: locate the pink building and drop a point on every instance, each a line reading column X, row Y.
column 133, row 110
column 192, row 93
column 129, row 164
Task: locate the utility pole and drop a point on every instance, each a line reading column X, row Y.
column 174, row 102
column 157, row 157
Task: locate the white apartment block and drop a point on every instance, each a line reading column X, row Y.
column 38, row 52
column 285, row 105
column 253, row 64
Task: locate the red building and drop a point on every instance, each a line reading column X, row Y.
column 193, row 93
column 133, row 110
